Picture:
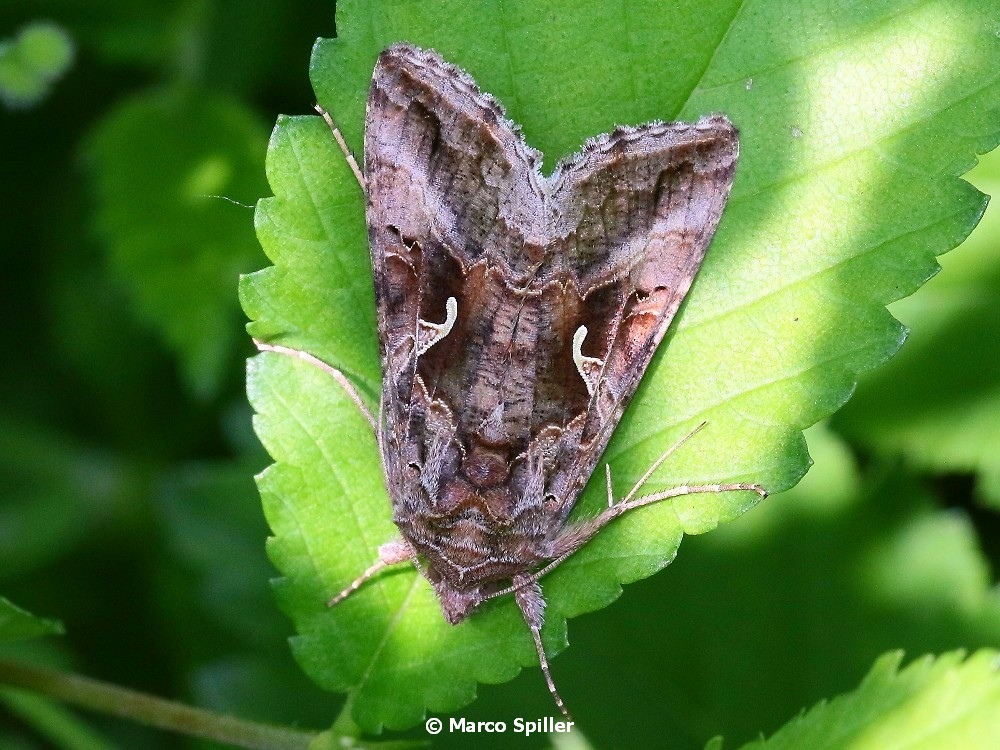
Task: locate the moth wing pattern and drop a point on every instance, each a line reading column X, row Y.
column 445, row 207
column 458, row 209
column 517, row 314
column 635, row 211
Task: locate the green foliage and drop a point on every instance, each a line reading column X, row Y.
column 938, row 403
column 54, row 722
column 127, row 506
column 788, row 606
column 16, row 624
column 54, row 493
column 212, row 531
column 163, row 163
column 938, row 703
column 786, row 313
column 32, row 62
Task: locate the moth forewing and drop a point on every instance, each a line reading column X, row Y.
column 516, row 316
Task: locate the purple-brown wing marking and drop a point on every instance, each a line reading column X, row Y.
column 498, row 425
column 517, row 314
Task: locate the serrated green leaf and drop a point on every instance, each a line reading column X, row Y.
column 854, row 127
column 938, row 403
column 17, row 624
column 943, row 703
column 164, row 164
column 787, row 607
column 214, row 534
column 212, row 530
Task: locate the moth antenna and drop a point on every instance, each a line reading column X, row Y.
column 390, row 553
column 527, row 580
column 329, row 369
column 339, row 138
column 607, row 476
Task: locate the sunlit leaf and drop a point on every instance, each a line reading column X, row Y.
column 943, row 703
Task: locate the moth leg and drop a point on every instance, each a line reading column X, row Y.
column 575, row 536
column 654, row 466
column 390, row 553
column 528, row 595
column 351, row 161
column 332, row 371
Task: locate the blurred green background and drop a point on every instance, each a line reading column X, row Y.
column 127, row 503
column 134, row 136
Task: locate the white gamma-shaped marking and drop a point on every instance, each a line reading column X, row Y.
column 439, row 330
column 585, row 365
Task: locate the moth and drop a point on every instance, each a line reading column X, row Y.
column 517, row 313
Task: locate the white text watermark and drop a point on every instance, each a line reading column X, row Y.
column 526, row 727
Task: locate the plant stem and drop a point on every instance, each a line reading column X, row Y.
column 148, row 709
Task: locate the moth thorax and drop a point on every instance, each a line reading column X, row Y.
column 485, row 466
column 493, row 502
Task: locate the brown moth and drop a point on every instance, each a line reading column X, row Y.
column 516, row 315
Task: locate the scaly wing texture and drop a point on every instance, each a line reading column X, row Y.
column 633, row 215
column 491, row 406
column 454, row 211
